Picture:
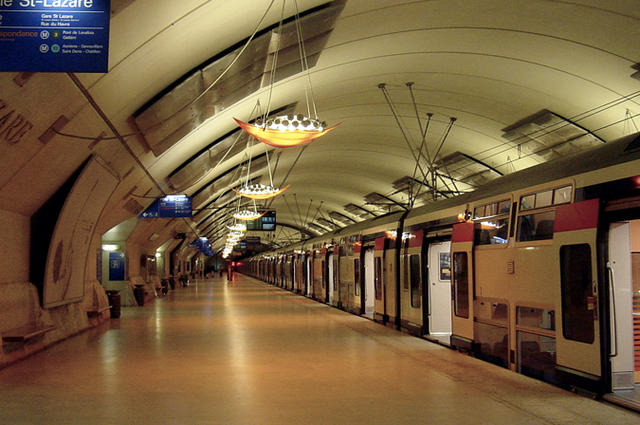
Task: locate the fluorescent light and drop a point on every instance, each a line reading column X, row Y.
column 108, row 247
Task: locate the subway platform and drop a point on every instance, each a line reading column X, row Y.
column 243, row 352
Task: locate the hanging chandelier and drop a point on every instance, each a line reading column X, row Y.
column 238, row 227
column 247, row 215
column 259, row 191
column 287, row 130
column 293, row 129
column 256, row 190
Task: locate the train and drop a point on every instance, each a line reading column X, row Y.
column 537, row 271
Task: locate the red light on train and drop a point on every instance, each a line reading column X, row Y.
column 636, row 182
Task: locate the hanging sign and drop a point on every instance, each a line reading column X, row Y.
column 54, row 35
column 170, row 206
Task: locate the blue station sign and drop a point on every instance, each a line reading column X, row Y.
column 170, row 206
column 54, row 35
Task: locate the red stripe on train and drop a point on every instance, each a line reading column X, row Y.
column 462, row 232
column 578, row 216
column 415, row 240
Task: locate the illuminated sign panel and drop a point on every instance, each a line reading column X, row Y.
column 266, row 223
column 170, row 206
column 54, row 35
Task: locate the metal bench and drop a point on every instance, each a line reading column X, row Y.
column 25, row 333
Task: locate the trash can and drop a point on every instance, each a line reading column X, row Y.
column 138, row 293
column 114, row 302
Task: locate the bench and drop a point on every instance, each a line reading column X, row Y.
column 25, row 333
column 95, row 310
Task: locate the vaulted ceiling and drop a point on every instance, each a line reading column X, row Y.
column 435, row 98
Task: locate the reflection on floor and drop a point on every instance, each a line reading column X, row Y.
column 248, row 353
column 630, row 399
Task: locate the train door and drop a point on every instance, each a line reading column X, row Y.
column 411, row 271
column 318, row 277
column 330, row 279
column 438, row 310
column 345, row 268
column 624, row 286
column 379, row 303
column 369, row 282
column 294, row 273
column 389, row 285
column 578, row 339
column 462, row 286
column 335, row 282
column 300, row 274
column 355, row 290
column 309, row 276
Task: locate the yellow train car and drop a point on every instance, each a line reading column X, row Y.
column 537, row 271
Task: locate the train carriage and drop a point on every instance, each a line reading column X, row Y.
column 538, row 271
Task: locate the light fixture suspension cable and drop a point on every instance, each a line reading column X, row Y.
column 269, row 168
column 274, row 63
column 305, row 64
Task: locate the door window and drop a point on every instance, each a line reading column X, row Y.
column 577, row 296
column 461, row 284
column 356, row 275
column 416, row 287
column 378, row 277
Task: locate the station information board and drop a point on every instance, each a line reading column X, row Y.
column 54, row 35
column 169, row 206
column 266, row 223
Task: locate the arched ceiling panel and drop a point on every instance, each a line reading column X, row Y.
column 565, row 66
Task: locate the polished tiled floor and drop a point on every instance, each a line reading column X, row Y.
column 247, row 353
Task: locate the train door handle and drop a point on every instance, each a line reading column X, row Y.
column 613, row 311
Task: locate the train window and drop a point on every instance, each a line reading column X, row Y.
column 544, row 199
column 527, row 202
column 503, row 207
column 445, row 266
column 577, row 296
column 492, row 209
column 461, row 284
column 493, row 228
column 405, row 273
column 536, row 356
column 377, row 277
column 536, row 227
column 491, row 232
column 356, row 275
column 336, row 275
column 416, row 287
column 562, row 195
column 536, row 318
